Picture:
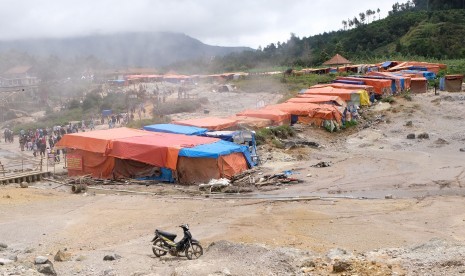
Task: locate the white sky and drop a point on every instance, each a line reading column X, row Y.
column 216, row 22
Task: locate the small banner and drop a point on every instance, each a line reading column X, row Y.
column 74, row 162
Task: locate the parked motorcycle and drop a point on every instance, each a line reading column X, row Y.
column 163, row 243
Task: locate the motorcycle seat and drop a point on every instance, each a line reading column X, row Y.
column 167, row 235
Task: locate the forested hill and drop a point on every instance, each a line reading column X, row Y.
column 152, row 49
column 409, row 31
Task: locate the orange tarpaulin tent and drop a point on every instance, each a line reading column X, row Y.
column 347, row 86
column 159, row 150
column 318, row 99
column 432, row 67
column 99, row 140
column 277, row 116
column 210, row 123
column 307, row 112
column 331, row 91
column 380, row 86
column 252, row 122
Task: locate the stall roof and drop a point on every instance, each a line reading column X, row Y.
column 215, row 150
column 210, row 123
column 158, row 149
column 99, row 140
column 173, row 128
column 276, row 116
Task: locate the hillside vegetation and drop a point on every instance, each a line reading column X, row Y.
column 412, row 30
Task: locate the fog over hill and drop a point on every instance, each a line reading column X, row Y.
column 123, row 49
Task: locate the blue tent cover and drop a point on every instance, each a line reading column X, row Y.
column 215, row 150
column 177, row 129
column 386, row 64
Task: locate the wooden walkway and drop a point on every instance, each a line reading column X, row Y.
column 29, row 177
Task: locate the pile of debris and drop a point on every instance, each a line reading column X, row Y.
column 248, row 181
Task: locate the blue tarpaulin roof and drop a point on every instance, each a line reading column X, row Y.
column 177, row 129
column 361, row 82
column 215, row 150
column 386, row 64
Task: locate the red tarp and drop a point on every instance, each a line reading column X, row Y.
column 310, row 110
column 210, row 123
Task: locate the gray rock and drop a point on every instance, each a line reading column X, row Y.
column 5, row 261
column 111, row 257
column 341, row 266
column 411, row 136
column 40, row 260
column 423, row 135
column 47, row 269
column 3, row 245
column 388, row 196
column 409, row 123
column 62, row 256
column 24, row 184
column 13, row 257
column 462, row 149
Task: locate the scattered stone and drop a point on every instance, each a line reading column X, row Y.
column 441, row 141
column 13, row 257
column 409, row 124
column 62, row 256
column 322, row 164
column 462, row 149
column 111, row 257
column 47, row 269
column 423, row 135
column 3, row 245
column 341, row 266
column 5, row 261
column 40, row 260
column 24, row 184
column 308, row 263
column 388, row 196
column 411, row 136
column 80, row 258
column 309, row 175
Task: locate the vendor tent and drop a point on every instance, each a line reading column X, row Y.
column 419, row 85
column 380, row 86
column 251, row 122
column 216, row 160
column 210, row 123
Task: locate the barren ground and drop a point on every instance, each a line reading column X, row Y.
column 387, row 206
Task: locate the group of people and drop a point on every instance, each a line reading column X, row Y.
column 41, row 141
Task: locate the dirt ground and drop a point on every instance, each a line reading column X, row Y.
column 387, row 205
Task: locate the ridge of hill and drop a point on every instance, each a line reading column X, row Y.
column 149, row 49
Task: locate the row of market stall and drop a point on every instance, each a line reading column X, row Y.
column 201, row 149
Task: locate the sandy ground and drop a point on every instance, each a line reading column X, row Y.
column 388, row 206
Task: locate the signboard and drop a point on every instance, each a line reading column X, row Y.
column 74, row 162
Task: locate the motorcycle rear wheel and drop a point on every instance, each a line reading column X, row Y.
column 194, row 251
column 158, row 252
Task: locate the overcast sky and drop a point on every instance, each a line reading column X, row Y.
column 250, row 23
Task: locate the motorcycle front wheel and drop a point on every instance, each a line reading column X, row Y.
column 194, row 251
column 158, row 252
